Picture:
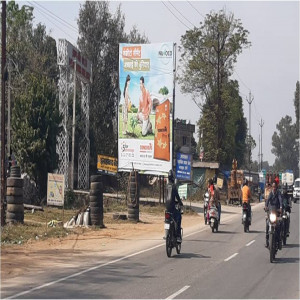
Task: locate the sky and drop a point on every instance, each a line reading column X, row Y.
column 269, row 69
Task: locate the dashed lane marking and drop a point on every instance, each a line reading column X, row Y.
column 178, row 292
column 230, row 257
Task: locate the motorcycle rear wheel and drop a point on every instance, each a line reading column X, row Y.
column 169, row 245
column 178, row 248
column 246, row 227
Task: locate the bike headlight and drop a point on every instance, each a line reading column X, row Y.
column 272, row 217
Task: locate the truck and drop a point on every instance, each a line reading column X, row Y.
column 296, row 190
column 235, row 183
column 287, row 181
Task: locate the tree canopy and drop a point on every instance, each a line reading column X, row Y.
column 208, row 55
column 100, row 34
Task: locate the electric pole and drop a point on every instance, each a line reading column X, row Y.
column 261, row 124
column 3, row 79
column 73, row 129
column 250, row 100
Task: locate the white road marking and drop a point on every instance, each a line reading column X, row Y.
column 230, row 257
column 82, row 272
column 250, row 243
column 178, row 292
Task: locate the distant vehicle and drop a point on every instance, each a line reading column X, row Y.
column 296, row 190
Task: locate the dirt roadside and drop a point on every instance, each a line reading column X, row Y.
column 76, row 249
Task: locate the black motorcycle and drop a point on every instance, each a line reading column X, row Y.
column 170, row 234
column 274, row 221
column 246, row 217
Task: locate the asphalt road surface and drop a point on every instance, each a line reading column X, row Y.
column 229, row 264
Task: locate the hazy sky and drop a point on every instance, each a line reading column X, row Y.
column 269, row 68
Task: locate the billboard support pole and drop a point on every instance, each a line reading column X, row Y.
column 173, row 115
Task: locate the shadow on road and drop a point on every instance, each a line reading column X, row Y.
column 291, row 246
column 287, row 260
column 190, row 255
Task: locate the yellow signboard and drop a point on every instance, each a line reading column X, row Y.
column 55, row 189
column 107, row 164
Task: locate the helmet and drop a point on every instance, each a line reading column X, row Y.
column 171, row 175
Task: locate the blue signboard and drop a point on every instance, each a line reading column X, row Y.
column 183, row 166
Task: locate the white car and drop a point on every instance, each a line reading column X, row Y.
column 296, row 190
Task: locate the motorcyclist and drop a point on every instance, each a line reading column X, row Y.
column 173, row 199
column 274, row 199
column 286, row 206
column 246, row 195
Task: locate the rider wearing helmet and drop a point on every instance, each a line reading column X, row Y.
column 173, row 199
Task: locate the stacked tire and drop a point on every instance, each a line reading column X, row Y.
column 14, row 197
column 96, row 201
column 134, row 197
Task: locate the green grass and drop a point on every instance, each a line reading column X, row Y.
column 34, row 227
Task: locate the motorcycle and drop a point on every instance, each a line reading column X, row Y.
column 274, row 233
column 246, row 217
column 205, row 207
column 213, row 216
column 170, row 233
column 285, row 226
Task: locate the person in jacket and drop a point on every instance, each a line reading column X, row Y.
column 246, row 196
column 274, row 199
column 174, row 200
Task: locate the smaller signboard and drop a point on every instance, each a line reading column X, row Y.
column 183, row 166
column 107, row 164
column 183, row 191
column 55, row 189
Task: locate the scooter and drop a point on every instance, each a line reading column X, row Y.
column 205, row 207
column 213, row 216
column 246, row 217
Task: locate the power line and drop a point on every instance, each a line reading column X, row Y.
column 181, row 14
column 57, row 17
column 45, row 15
column 175, row 15
column 195, row 9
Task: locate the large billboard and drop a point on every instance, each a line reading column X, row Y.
column 146, row 80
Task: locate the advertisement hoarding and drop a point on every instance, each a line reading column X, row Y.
column 145, row 111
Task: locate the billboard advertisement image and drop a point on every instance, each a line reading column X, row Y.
column 145, row 112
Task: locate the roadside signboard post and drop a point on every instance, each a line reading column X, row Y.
column 107, row 164
column 183, row 166
column 56, row 191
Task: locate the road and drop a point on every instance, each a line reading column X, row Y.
column 228, row 264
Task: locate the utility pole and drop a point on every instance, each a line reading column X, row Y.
column 261, row 124
column 73, row 129
column 250, row 100
column 3, row 79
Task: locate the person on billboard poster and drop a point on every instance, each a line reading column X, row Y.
column 125, row 107
column 143, row 114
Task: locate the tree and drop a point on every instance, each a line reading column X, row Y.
column 100, row 35
column 207, row 61
column 35, row 120
column 285, row 146
column 34, row 73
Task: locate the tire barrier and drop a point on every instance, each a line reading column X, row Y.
column 134, row 197
column 14, row 197
column 96, row 201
